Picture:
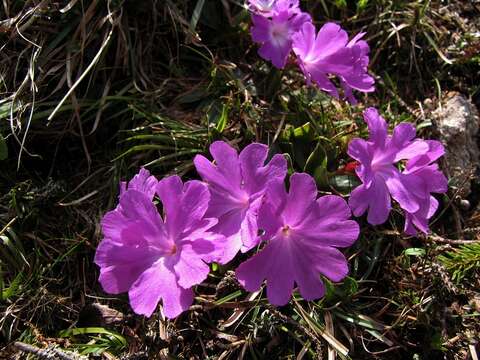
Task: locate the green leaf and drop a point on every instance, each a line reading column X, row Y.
column 196, row 14
column 415, row 252
column 361, row 5
column 304, row 132
column 349, row 286
column 290, row 167
column 316, row 165
column 437, row 341
column 229, row 297
column 214, row 266
column 360, row 320
column 91, row 330
column 98, row 339
column 223, row 119
column 330, row 293
column 117, row 339
column 13, row 289
column 437, row 49
column 344, row 183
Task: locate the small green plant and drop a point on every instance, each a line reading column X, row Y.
column 462, row 262
column 99, row 340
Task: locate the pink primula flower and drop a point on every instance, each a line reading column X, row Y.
column 382, row 180
column 154, row 258
column 422, row 167
column 358, row 78
column 237, row 184
column 273, row 27
column 302, row 233
column 330, row 53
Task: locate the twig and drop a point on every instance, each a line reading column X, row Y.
column 439, row 239
column 445, row 277
column 49, row 353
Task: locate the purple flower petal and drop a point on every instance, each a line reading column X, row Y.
column 419, row 219
column 361, row 151
column 276, row 51
column 252, row 272
column 348, row 92
column 327, row 225
column 122, row 264
column 274, row 35
column 269, row 218
column 330, row 52
column 190, row 268
column 211, row 247
column 280, row 274
column 333, row 265
column 375, row 198
column 398, row 186
column 186, row 203
column 434, row 180
column 427, row 156
column 358, row 78
column 112, row 225
column 225, row 175
column 237, row 184
column 308, row 281
column 377, row 127
column 254, row 171
column 359, row 200
column 411, row 150
column 159, row 283
column 403, row 134
column 301, row 233
column 249, row 228
column 142, row 182
column 300, row 199
column 380, row 204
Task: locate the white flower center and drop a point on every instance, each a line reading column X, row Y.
column 279, row 33
column 265, row 5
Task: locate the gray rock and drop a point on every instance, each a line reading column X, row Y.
column 457, row 122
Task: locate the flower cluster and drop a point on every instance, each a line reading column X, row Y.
column 241, row 203
column 382, row 180
column 279, row 26
column 154, row 257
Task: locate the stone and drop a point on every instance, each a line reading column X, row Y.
column 457, row 123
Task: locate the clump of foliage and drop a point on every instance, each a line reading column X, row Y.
column 463, row 262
